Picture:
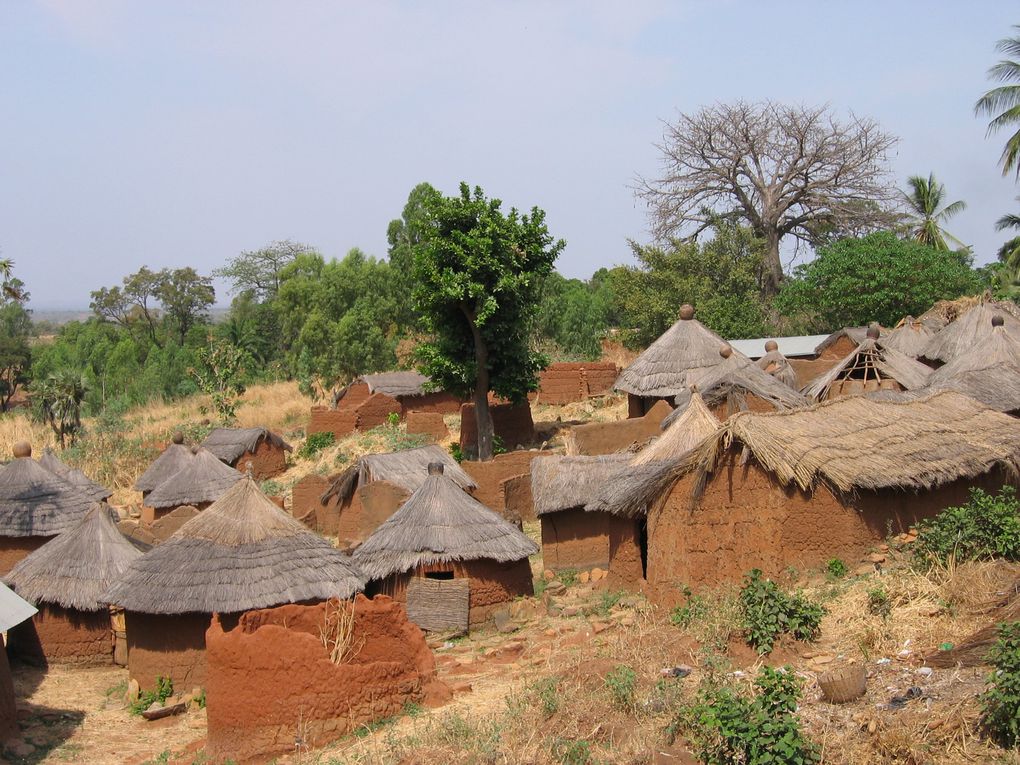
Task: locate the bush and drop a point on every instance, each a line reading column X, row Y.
column 548, row 696
column 835, row 569
column 315, row 443
column 767, row 612
column 569, row 751
column 1000, row 704
column 694, row 609
column 986, row 527
column 621, row 681
column 879, row 603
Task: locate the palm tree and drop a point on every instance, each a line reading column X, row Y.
column 1009, row 253
column 1002, row 104
column 927, row 214
column 62, row 394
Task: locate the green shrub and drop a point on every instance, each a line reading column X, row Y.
column 606, row 602
column 986, row 527
column 568, row 751
column 621, row 681
column 456, row 452
column 548, row 697
column 164, row 689
column 568, row 576
column 393, row 419
column 879, row 603
column 835, row 569
column 767, row 612
column 1000, row 704
column 694, row 609
column 315, row 443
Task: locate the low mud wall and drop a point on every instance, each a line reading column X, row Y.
column 368, row 509
column 612, row 437
column 511, row 422
column 13, row 549
column 567, row 382
column 58, row 635
column 267, row 460
column 166, row 646
column 490, row 476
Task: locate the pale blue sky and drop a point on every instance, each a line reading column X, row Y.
column 180, row 133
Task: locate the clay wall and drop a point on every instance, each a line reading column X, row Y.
column 612, row 437
column 8, row 703
column 166, row 526
column 511, row 422
column 58, row 635
column 722, row 410
column 13, row 549
column 808, row 369
column 375, row 411
column 150, row 515
column 626, row 569
column 355, row 395
column 575, row 539
column 271, row 673
column 639, row 406
column 567, row 382
column 518, row 502
column 267, row 460
column 490, row 475
column 167, row 645
column 838, row 350
column 438, row 402
column 368, row 509
column 429, row 424
column 339, row 422
column 305, row 504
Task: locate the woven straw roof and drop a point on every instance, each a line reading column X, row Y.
column 242, row 552
column 76, row 568
column 684, row 428
column 202, row 479
column 440, row 523
column 172, row 459
column 969, row 330
column 911, row 336
column 73, row 476
column 872, row 360
column 560, row 483
column 406, row 469
column 776, row 365
column 667, row 366
column 997, row 387
column 36, row 502
column 396, row 384
column 230, row 443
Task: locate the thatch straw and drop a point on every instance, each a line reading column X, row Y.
column 871, row 360
column 560, row 483
column 776, row 365
column 13, row 608
column 440, row 523
column 968, row 331
column 996, row 348
column 73, row 476
column 173, row 458
column 911, row 336
column 947, row 311
column 396, row 384
column 75, row 569
column 202, row 479
column 406, row 469
column 228, row 444
column 243, row 552
column 35, row 502
column 855, row 334
column 668, row 365
column 684, row 428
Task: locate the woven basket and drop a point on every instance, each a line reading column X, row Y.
column 843, row 684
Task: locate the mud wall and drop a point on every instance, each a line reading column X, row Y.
column 490, row 475
column 167, row 645
column 511, row 422
column 13, row 549
column 58, row 635
column 305, row 500
column 567, row 382
column 375, row 411
column 429, row 424
column 626, row 569
column 808, row 369
column 611, row 437
column 639, row 406
column 270, row 679
column 725, row 408
column 339, row 422
column 267, row 460
column 150, row 515
column 8, row 703
column 575, row 539
column 368, row 509
column 439, row 402
column 168, row 525
column 518, row 501
column 838, row 350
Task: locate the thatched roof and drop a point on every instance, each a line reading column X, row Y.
column 855, row 334
column 996, row 348
column 684, row 428
column 202, row 479
column 13, row 608
column 36, row 502
column 969, row 330
column 73, row 476
column 75, row 569
column 228, row 444
column 560, row 483
column 396, row 384
column 242, row 552
column 173, row 458
column 871, row 360
column 406, row 469
column 440, row 523
column 776, row 365
column 946, row 311
column 911, row 336
column 681, row 354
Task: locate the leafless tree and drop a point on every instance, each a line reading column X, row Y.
column 783, row 169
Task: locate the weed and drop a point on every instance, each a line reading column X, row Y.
column 767, row 612
column 372, row 726
column 315, row 443
column 413, row 709
column 393, row 419
column 986, row 527
column 621, row 681
column 606, row 602
column 835, row 569
column 271, row 488
column 547, row 691
column 540, row 584
column 164, row 689
column 1000, row 704
column 879, row 602
column 116, row 690
column 456, row 452
column 160, row 759
column 568, row 751
column 498, row 447
column 200, row 699
column 693, row 609
column 568, row 576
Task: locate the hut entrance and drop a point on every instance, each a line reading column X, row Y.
column 439, row 605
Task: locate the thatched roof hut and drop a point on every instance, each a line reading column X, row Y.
column 562, row 482
column 406, row 469
column 680, row 355
column 684, row 429
column 172, row 459
column 870, row 366
column 35, row 502
column 73, row 476
column 969, row 330
column 201, row 480
column 775, row 364
column 440, row 523
column 229, row 444
column 852, row 335
column 911, row 336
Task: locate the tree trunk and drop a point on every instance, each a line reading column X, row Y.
column 483, row 417
column 773, row 264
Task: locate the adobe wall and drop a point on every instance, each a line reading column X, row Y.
column 305, row 499
column 612, row 437
column 639, row 406
column 753, row 402
column 808, row 369
column 58, row 635
column 626, row 570
column 167, row 645
column 13, row 549
column 490, row 475
column 339, row 422
column 368, row 509
column 839, row 350
column 575, row 539
column 150, row 515
column 375, row 411
column 518, row 501
column 429, row 424
column 168, row 525
column 267, row 460
column 355, row 395
column 8, row 703
column 565, row 383
column 438, row 402
column 511, row 422
column 270, row 678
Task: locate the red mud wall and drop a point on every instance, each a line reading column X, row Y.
column 518, row 501
column 356, row 412
column 13, row 549
column 625, row 567
column 510, row 422
column 439, row 402
column 611, row 437
column 57, row 635
column 724, row 409
column 167, row 645
column 565, row 383
column 369, row 508
column 270, row 679
column 490, row 475
column 150, row 515
column 429, row 424
column 838, row 351
column 808, row 369
column 376, row 410
column 305, row 504
column 640, row 406
column 339, row 422
column 8, row 704
column 267, row 460
column 575, row 539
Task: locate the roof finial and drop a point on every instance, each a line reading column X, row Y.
column 22, row 449
column 725, row 350
column 435, row 468
column 195, row 448
column 771, row 345
column 874, row 331
column 686, row 312
column 998, row 320
column 178, row 437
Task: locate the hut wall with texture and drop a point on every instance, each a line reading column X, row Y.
column 271, row 674
column 13, row 549
column 58, row 635
column 490, row 475
column 575, row 539
column 267, row 460
column 370, row 507
column 152, row 514
column 610, row 437
column 305, row 501
column 439, row 402
column 8, row 702
column 511, row 422
column 167, row 645
column 567, row 382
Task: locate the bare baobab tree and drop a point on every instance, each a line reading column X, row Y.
column 784, row 170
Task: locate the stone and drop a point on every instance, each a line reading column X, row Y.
column 154, row 706
column 925, row 671
column 599, row 627
column 501, row 618
column 551, row 632
column 883, row 548
column 822, row 659
column 548, row 575
column 571, row 611
column 556, row 587
column 597, row 574
column 626, row 621
column 876, row 558
column 584, row 577
column 553, row 610
column 864, row 569
column 461, row 688
column 133, row 691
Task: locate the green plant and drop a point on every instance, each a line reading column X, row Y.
column 606, row 602
column 568, row 751
column 767, row 612
column 568, row 576
column 621, row 681
column 393, row 419
column 164, row 689
column 271, row 488
column 547, row 692
column 315, row 443
column 879, row 602
column 498, row 447
column 413, row 709
column 1000, row 704
column 988, row 526
column 835, row 569
column 200, row 699
column 456, row 452
column 693, row 609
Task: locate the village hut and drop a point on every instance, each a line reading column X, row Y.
column 798, row 487
column 777, row 365
column 683, row 352
column 265, row 450
column 73, row 476
column 446, row 537
column 841, row 342
column 35, row 505
column 170, row 460
column 241, row 553
column 411, row 390
column 13, row 611
column 969, row 330
column 911, row 336
column 201, row 481
column 66, row 579
column 368, row 492
column 869, row 367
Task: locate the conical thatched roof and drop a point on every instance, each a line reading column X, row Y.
column 911, row 336
column 173, row 458
column 73, row 476
column 202, row 479
column 776, row 365
column 561, row 483
column 228, row 444
column 36, row 502
column 968, row 331
column 855, row 334
column 406, row 469
column 871, row 360
column 680, row 355
column 440, row 523
column 75, row 569
column 996, row 348
column 242, row 552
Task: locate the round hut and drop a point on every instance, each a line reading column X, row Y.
column 264, row 449
column 911, row 336
column 73, row 476
column 66, row 579
column 173, row 458
column 970, row 329
column 35, row 505
column 452, row 559
column 201, row 481
column 241, row 553
column 777, row 365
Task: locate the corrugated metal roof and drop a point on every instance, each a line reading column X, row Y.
column 791, row 347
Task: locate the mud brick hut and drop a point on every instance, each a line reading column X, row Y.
column 911, row 336
column 201, row 481
column 66, row 579
column 449, row 557
column 73, row 476
column 799, row 487
column 35, row 505
column 241, row 553
column 969, row 330
column 776, row 365
column 595, row 438
column 409, row 389
column 664, row 369
column 568, row 382
column 13, row 611
column 871, row 366
column 265, row 450
column 368, row 492
column 173, row 458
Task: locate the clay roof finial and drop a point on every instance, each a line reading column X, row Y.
column 874, row 331
column 771, row 345
column 725, row 351
column 435, row 468
column 686, row 312
column 997, row 320
column 22, row 449
column 178, row 438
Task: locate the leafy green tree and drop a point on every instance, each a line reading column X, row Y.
column 927, row 213
column 132, row 305
column 1002, row 103
column 15, row 353
column 575, row 315
column 478, row 277
column 61, row 395
column 403, row 235
column 186, row 298
column 220, row 374
column 875, row 278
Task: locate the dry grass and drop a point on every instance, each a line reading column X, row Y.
column 18, row 426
